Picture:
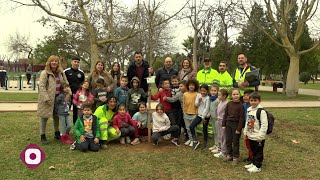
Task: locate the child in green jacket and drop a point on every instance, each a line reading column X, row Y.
column 87, row 130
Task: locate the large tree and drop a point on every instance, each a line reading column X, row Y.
column 98, row 18
column 290, row 40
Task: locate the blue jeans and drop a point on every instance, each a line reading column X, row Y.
column 194, row 124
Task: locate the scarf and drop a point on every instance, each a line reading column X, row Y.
column 213, row 98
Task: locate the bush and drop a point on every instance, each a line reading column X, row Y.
column 305, row 77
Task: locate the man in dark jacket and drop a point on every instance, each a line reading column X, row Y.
column 165, row 72
column 140, row 69
column 75, row 77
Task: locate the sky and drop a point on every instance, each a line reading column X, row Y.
column 24, row 21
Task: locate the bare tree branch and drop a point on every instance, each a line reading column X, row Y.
column 39, row 4
column 317, row 44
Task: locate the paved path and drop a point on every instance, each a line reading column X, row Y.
column 31, row 107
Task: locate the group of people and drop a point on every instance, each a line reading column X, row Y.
column 109, row 106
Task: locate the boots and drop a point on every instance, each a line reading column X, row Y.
column 65, row 139
column 68, row 140
column 44, row 139
column 57, row 135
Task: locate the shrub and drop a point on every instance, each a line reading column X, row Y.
column 304, row 77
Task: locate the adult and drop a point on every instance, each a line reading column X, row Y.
column 165, row 72
column 28, row 73
column 105, row 114
column 116, row 73
column 140, row 69
column 3, row 74
column 99, row 72
column 187, row 72
column 51, row 82
column 75, row 77
column 207, row 75
column 240, row 73
column 225, row 79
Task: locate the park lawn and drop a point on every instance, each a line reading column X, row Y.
column 310, row 85
column 283, row 158
column 21, row 96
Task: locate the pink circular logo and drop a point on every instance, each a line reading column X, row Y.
column 32, row 156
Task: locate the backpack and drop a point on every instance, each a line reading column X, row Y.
column 270, row 119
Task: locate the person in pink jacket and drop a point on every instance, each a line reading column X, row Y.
column 123, row 124
column 82, row 96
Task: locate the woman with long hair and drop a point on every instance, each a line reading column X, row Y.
column 116, row 72
column 50, row 86
column 186, row 72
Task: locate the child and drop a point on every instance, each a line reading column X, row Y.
column 142, row 118
column 100, row 95
column 62, row 104
column 123, row 123
column 82, row 96
column 161, row 126
column 222, row 149
column 256, row 131
column 190, row 111
column 246, row 105
column 134, row 96
column 161, row 95
column 214, row 101
column 203, row 104
column 179, row 97
column 87, row 130
column 232, row 123
column 121, row 93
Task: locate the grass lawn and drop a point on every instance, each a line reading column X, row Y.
column 283, row 158
column 310, row 85
column 8, row 96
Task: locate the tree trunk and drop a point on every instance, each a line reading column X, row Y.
column 292, row 87
column 194, row 51
column 94, row 54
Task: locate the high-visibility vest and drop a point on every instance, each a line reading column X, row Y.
column 207, row 76
column 239, row 76
column 225, row 81
column 105, row 116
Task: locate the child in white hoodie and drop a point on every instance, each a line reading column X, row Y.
column 161, row 126
column 255, row 130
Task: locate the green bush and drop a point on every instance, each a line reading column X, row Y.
column 305, row 77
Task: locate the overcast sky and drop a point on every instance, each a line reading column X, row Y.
column 23, row 20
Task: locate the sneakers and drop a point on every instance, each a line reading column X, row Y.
column 122, row 140
column 187, row 142
column 128, row 140
column 254, row 169
column 219, row 155
column 155, row 143
column 195, row 145
column 248, row 166
column 227, row 158
column 213, row 147
column 166, row 137
column 176, row 141
column 44, row 139
column 216, row 150
column 103, row 146
column 73, row 145
column 135, row 141
column 191, row 144
column 234, row 161
column 204, row 146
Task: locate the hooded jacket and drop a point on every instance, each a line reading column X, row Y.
column 135, row 95
column 132, row 72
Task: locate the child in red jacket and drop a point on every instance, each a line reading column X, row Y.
column 164, row 92
column 123, row 123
